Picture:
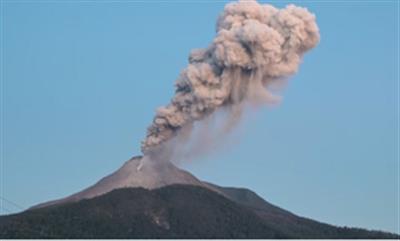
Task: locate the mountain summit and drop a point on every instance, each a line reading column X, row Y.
column 135, row 173
column 159, row 200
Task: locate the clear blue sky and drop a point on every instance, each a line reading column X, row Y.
column 82, row 79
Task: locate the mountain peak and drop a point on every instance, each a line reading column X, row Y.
column 150, row 193
column 136, row 172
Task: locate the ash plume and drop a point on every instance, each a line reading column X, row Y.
column 256, row 45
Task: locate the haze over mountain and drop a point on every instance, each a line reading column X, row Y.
column 159, row 200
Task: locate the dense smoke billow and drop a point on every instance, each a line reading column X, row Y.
column 256, row 45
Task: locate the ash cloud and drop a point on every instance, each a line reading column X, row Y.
column 256, row 46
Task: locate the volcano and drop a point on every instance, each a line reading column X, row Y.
column 158, row 200
column 134, row 173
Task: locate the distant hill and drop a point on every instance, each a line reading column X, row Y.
column 173, row 211
column 292, row 225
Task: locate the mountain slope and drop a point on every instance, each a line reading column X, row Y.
column 138, row 200
column 134, row 173
column 175, row 211
column 170, row 212
column 290, row 224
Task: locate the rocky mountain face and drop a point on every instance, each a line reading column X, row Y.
column 134, row 173
column 159, row 200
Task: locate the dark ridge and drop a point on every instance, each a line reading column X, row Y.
column 295, row 226
column 175, row 211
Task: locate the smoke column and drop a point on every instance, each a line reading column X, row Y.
column 256, row 45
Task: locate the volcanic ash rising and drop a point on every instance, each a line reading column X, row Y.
column 255, row 46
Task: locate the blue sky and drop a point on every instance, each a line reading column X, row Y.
column 81, row 81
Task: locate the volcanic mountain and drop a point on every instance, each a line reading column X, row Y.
column 134, row 173
column 158, row 200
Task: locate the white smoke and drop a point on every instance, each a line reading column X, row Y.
column 256, row 46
